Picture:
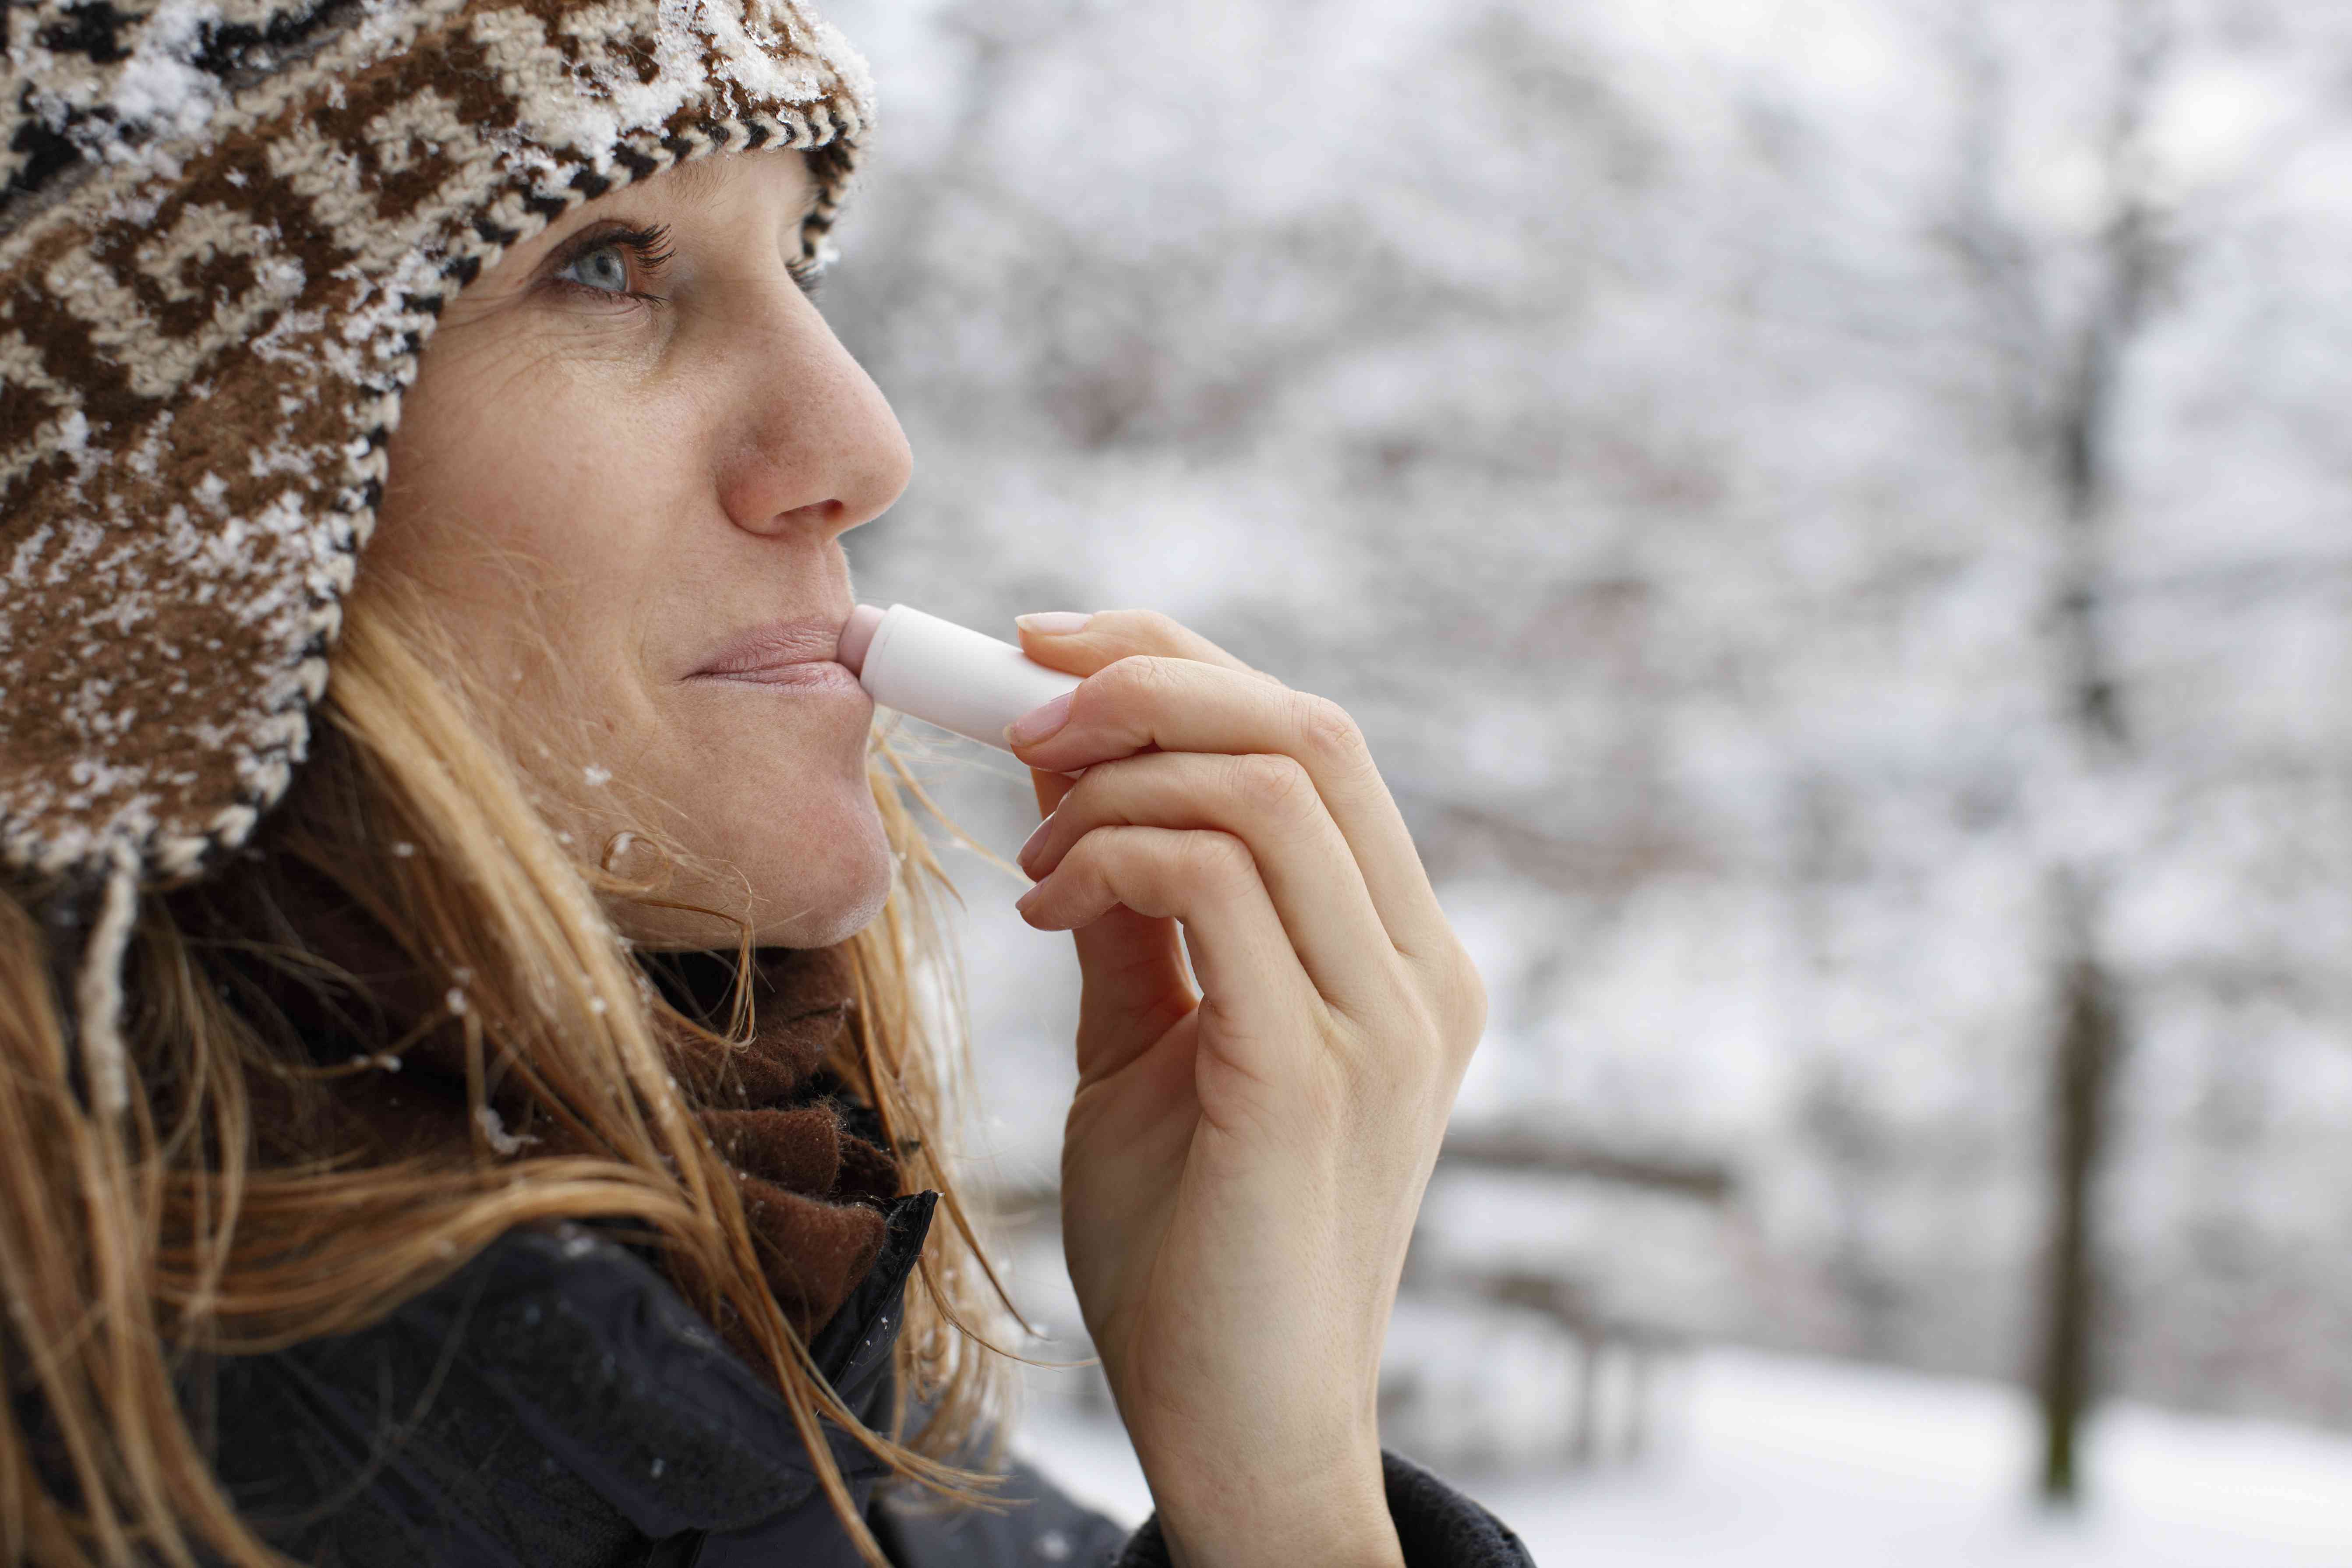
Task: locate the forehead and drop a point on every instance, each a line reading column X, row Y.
column 699, row 179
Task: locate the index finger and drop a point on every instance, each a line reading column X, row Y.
column 1172, row 704
column 1109, row 636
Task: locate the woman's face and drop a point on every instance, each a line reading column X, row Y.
column 639, row 423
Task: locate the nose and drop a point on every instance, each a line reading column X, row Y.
column 818, row 448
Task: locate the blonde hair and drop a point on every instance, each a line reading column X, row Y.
column 131, row 1243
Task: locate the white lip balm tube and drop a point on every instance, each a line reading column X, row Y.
column 945, row 674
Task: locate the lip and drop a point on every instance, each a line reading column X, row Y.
column 783, row 653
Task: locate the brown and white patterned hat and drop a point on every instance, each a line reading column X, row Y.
column 226, row 230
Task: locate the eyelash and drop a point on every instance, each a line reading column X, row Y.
column 651, row 253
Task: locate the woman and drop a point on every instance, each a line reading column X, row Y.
column 464, row 1098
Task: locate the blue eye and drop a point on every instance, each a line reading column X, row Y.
column 601, row 264
column 602, row 268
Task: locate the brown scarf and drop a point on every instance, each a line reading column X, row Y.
column 813, row 1190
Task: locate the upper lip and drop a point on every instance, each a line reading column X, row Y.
column 811, row 639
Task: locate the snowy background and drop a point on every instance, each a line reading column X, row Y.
column 1832, row 513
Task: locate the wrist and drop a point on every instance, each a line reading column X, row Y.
column 1324, row 1516
column 1355, row 1538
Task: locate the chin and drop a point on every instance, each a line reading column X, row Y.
column 814, row 879
column 842, row 897
column 836, row 920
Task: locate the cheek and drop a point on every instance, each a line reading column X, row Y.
column 511, row 485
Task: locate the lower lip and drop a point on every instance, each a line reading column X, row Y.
column 808, row 675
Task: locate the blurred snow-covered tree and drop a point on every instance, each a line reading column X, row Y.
column 1652, row 423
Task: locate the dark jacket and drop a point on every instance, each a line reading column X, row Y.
column 556, row 1403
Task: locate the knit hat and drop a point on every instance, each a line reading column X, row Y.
column 226, row 230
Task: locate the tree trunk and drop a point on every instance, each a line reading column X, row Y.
column 2084, row 1069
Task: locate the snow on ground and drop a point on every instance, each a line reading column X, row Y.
column 1771, row 1460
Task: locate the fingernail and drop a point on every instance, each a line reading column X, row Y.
column 1052, row 622
column 1036, row 838
column 1034, row 726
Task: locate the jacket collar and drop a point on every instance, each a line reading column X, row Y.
column 612, row 1374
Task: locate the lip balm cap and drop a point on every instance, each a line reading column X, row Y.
column 856, row 637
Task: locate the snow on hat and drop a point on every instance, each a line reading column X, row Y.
column 226, row 230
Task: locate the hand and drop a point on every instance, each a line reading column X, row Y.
column 1241, row 1163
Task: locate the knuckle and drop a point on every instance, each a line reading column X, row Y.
column 1217, row 857
column 1139, row 676
column 1462, row 997
column 1150, row 626
column 1105, row 859
column 1269, row 782
column 1096, row 794
column 1330, row 730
